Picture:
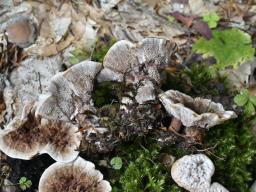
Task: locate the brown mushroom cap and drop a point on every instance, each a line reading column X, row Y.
column 79, row 175
column 21, row 31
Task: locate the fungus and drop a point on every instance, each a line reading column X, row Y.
column 79, row 175
column 193, row 172
column 137, row 64
column 196, row 112
column 69, row 92
column 21, row 31
column 27, row 136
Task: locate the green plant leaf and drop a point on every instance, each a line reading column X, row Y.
column 249, row 109
column 229, row 48
column 116, row 163
column 25, row 183
column 212, row 19
column 242, row 98
column 253, row 100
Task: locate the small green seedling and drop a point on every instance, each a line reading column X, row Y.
column 212, row 19
column 246, row 100
column 25, row 183
column 116, row 163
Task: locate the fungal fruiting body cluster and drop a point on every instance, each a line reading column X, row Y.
column 57, row 122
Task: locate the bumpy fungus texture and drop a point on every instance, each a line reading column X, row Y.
column 137, row 64
column 26, row 137
column 79, row 175
column 70, row 92
column 193, row 172
column 197, row 112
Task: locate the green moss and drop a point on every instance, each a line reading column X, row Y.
column 233, row 155
column 229, row 48
column 101, row 48
column 143, row 170
column 198, row 80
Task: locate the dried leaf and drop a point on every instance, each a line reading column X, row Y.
column 203, row 29
column 187, row 20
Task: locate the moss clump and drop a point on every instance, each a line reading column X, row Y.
column 101, row 48
column 143, row 171
column 233, row 155
column 198, row 80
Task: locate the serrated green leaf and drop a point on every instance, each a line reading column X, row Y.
column 212, row 19
column 253, row 100
column 242, row 98
column 229, row 48
column 249, row 109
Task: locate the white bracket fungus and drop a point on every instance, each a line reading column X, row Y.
column 70, row 92
column 79, row 175
column 137, row 64
column 194, row 172
column 197, row 111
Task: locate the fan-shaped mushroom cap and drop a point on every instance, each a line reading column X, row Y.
column 17, row 142
column 137, row 63
column 70, row 92
column 79, row 175
column 193, row 172
column 198, row 112
column 155, row 51
column 26, row 137
column 61, row 140
column 216, row 187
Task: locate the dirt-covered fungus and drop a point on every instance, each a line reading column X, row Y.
column 21, row 31
column 193, row 172
column 69, row 92
column 197, row 111
column 138, row 64
column 79, row 175
column 27, row 136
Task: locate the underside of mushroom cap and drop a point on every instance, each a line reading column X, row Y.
column 69, row 92
column 198, row 112
column 27, row 136
column 193, row 172
column 20, row 139
column 60, row 140
column 79, row 175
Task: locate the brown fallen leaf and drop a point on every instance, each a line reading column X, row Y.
column 187, row 20
column 203, row 29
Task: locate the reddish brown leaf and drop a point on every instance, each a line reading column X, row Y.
column 187, row 20
column 203, row 29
